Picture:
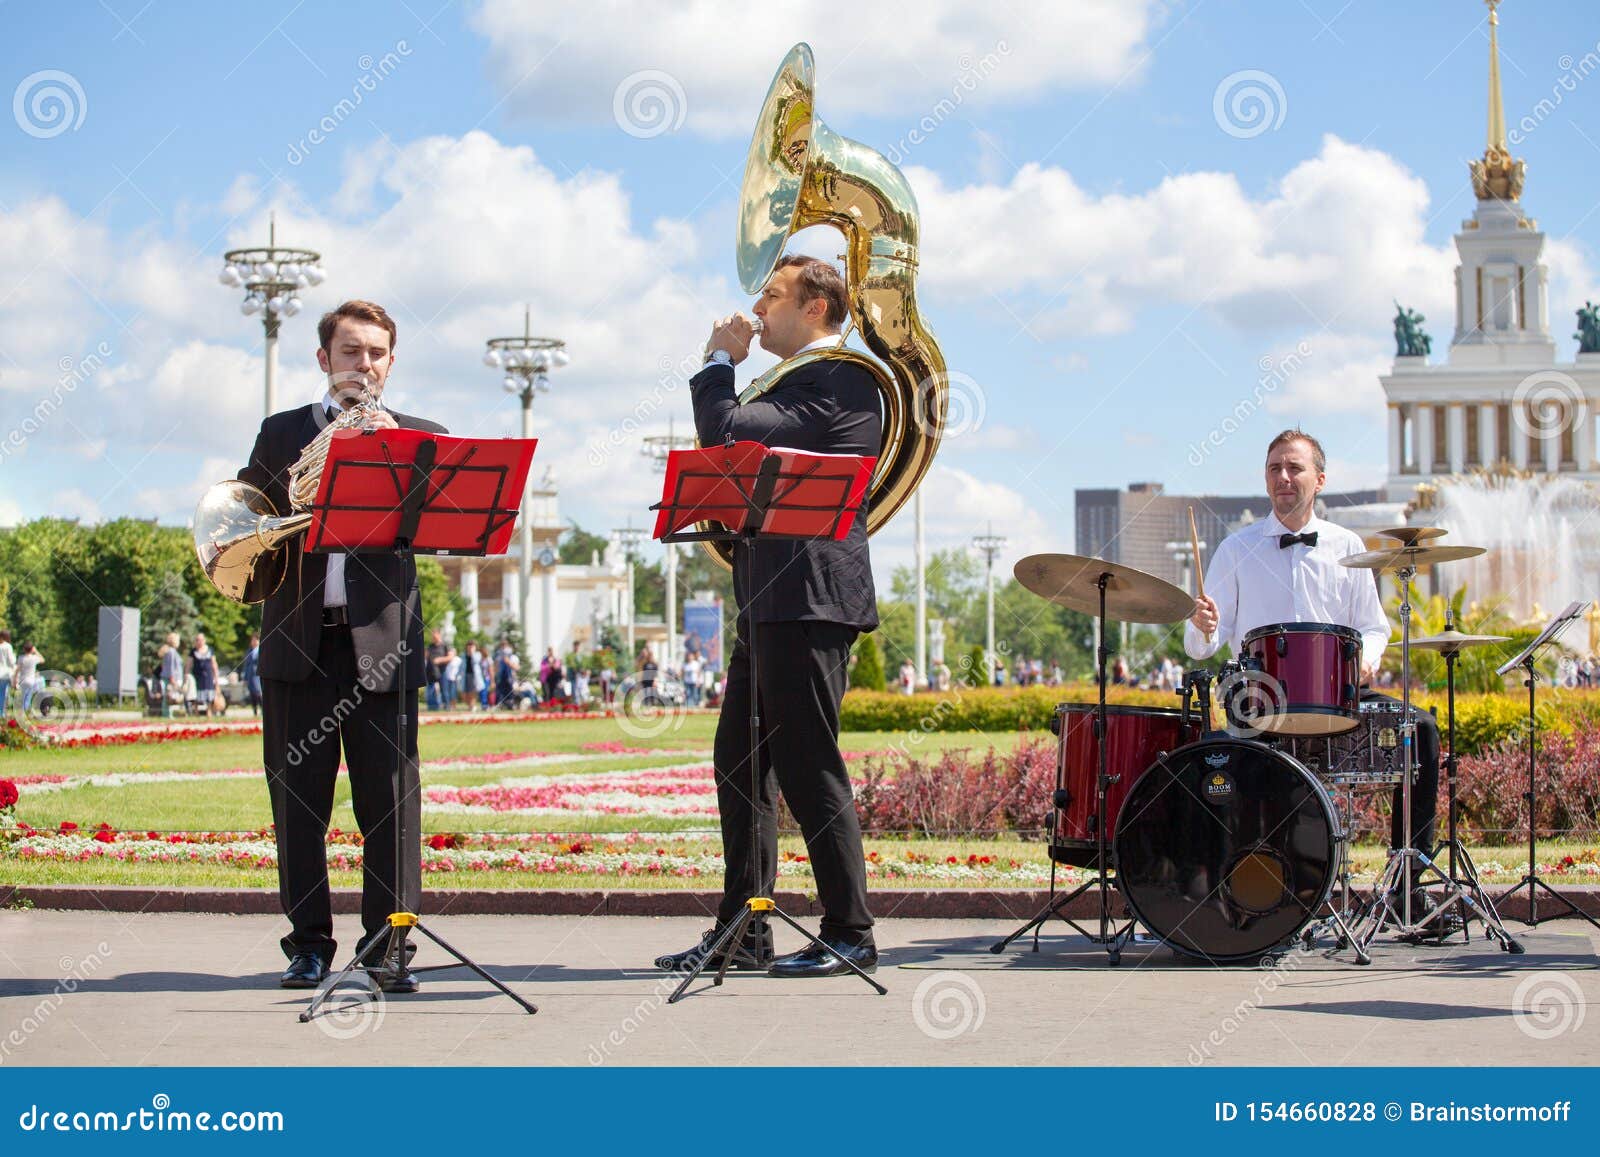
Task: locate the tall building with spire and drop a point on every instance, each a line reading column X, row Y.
column 1499, row 401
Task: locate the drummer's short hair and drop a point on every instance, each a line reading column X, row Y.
column 1299, row 435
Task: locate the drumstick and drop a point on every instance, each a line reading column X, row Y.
column 1199, row 576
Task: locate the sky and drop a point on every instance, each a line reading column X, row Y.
column 1132, row 212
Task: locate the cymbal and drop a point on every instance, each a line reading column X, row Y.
column 1450, row 641
column 1401, row 557
column 1411, row 535
column 1132, row 596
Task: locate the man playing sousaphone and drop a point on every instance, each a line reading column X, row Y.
column 1285, row 569
column 812, row 598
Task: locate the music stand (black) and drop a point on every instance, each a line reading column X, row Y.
column 1526, row 660
column 395, row 476
column 707, row 486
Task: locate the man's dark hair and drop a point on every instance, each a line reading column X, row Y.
column 1298, row 435
column 359, row 311
column 820, row 278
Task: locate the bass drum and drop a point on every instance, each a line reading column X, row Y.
column 1226, row 849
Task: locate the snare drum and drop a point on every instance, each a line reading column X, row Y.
column 1368, row 754
column 1298, row 679
column 1135, row 736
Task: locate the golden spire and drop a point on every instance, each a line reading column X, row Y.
column 1497, row 116
column 1496, row 177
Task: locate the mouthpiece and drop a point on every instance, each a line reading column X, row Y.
column 755, row 325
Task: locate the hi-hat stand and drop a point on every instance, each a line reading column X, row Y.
column 1403, row 873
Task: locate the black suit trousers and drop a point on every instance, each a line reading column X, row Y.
column 304, row 725
column 804, row 670
column 1425, row 791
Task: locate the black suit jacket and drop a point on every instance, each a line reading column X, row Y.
column 829, row 407
column 291, row 620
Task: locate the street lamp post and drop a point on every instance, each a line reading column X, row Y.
column 922, row 595
column 272, row 278
column 628, row 537
column 989, row 545
column 656, row 448
column 527, row 362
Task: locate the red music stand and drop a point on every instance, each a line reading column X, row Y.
column 402, row 492
column 753, row 492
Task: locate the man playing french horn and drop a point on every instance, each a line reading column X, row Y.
column 329, row 665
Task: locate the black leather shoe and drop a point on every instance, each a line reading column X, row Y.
column 306, row 970
column 813, row 961
column 397, row 979
column 754, row 956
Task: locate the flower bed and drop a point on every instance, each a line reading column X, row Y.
column 621, row 857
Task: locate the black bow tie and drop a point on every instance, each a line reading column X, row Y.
column 1287, row 540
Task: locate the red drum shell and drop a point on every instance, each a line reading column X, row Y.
column 1134, row 738
column 1318, row 668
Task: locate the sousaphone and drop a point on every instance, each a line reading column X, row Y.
column 801, row 173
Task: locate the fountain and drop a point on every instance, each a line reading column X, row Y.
column 1542, row 534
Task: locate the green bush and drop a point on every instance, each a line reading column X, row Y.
column 867, row 671
column 1483, row 721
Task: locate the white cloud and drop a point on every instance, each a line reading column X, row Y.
column 563, row 61
column 1338, row 236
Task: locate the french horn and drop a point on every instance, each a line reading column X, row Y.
column 800, row 173
column 239, row 535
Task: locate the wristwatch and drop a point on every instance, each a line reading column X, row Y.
column 719, row 358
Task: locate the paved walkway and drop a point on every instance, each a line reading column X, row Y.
column 176, row 989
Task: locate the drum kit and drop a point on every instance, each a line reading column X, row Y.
column 1227, row 845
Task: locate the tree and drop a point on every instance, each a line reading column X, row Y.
column 438, row 597
column 867, row 672
column 975, row 675
column 578, row 546
column 168, row 609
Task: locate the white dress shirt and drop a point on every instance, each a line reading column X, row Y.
column 333, row 593
column 1255, row 583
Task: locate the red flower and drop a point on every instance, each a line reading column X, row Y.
column 8, row 793
column 440, row 841
column 67, row 826
column 105, row 834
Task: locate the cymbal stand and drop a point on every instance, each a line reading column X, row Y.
column 1407, row 863
column 1462, row 872
column 1113, row 938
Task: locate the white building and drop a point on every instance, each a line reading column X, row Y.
column 1500, row 401
column 569, row 603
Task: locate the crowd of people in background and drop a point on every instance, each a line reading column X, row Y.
column 483, row 678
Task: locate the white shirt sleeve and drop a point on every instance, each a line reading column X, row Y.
column 1366, row 615
column 1222, row 587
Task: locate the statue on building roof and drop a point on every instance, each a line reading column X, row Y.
column 1588, row 334
column 1409, row 340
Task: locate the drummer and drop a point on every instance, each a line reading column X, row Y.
column 1285, row 569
